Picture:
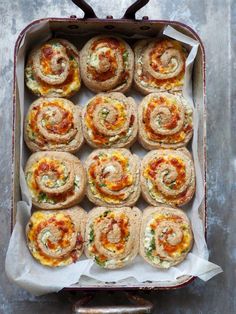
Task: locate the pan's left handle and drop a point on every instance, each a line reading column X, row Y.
column 84, row 6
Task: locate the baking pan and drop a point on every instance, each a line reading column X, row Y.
column 127, row 26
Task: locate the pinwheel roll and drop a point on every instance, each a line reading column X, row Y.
column 107, row 64
column 168, row 177
column 110, row 120
column 55, row 179
column 165, row 120
column 53, row 124
column 159, row 65
column 52, row 69
column 56, row 238
column 165, row 237
column 111, row 236
column 113, row 177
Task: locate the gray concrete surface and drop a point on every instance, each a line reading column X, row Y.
column 215, row 20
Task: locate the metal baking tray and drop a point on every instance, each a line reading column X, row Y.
column 128, row 26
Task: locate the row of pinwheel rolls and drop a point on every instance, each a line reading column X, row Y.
column 112, row 177
column 106, row 64
column 162, row 120
column 110, row 236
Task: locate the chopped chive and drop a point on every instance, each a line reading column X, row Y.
column 91, row 236
column 100, row 263
column 125, row 55
column 153, row 244
column 42, row 197
column 106, row 213
column 76, row 184
column 102, row 184
column 171, row 186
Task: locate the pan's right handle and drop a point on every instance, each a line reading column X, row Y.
column 139, row 306
column 137, row 5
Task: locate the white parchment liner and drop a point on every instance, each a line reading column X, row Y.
column 21, row 267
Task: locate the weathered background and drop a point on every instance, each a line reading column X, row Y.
column 215, row 21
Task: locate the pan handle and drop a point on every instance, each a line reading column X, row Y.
column 139, row 306
column 137, row 5
column 129, row 13
column 84, row 6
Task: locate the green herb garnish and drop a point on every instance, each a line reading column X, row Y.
column 32, row 77
column 125, row 56
column 149, row 254
column 27, row 176
column 104, row 113
column 42, row 197
column 100, row 263
column 151, row 248
column 56, row 44
column 172, row 185
column 153, row 244
column 76, row 184
column 101, row 155
column 91, row 236
column 102, row 184
column 106, row 213
column 159, row 120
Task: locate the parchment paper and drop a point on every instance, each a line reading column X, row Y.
column 22, row 268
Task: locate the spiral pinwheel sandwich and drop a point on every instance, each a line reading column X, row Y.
column 165, row 237
column 111, row 236
column 52, row 69
column 159, row 65
column 168, row 177
column 113, row 177
column 56, row 238
column 107, row 64
column 53, row 124
column 55, row 179
column 165, row 121
column 110, row 120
